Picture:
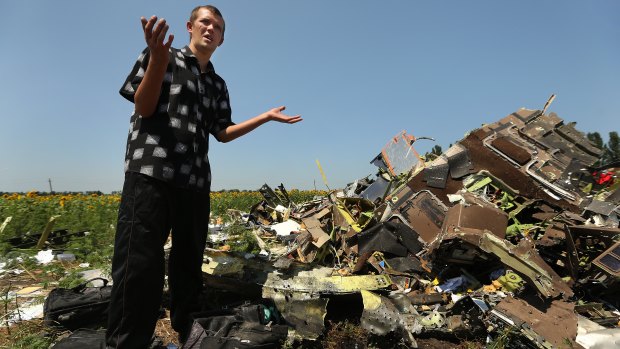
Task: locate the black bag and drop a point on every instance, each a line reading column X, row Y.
column 82, row 339
column 78, row 307
column 245, row 326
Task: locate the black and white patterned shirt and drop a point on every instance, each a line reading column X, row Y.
column 173, row 144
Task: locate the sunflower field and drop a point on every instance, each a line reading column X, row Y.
column 96, row 214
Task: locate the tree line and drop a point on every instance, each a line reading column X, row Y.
column 611, row 149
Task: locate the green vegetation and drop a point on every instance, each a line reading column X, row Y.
column 611, row 149
column 96, row 215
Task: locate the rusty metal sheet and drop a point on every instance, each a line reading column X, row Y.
column 553, row 140
column 476, row 217
column 522, row 116
column 428, row 299
column 550, row 151
column 540, row 125
column 423, row 211
column 484, row 158
column 514, row 151
column 580, row 139
column 555, row 324
column 553, row 236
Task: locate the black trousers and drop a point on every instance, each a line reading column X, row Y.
column 149, row 210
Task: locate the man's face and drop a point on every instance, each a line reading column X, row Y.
column 207, row 31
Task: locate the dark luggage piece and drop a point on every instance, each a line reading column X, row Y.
column 87, row 338
column 82, row 339
column 245, row 326
column 78, row 307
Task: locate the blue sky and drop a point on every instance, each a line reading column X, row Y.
column 359, row 72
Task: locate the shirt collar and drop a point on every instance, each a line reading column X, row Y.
column 188, row 53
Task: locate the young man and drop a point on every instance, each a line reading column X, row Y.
column 179, row 100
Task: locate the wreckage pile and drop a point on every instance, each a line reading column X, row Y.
column 509, row 235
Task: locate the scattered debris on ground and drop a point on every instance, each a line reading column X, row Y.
column 509, row 231
column 509, row 239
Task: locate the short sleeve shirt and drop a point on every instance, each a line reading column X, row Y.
column 173, row 144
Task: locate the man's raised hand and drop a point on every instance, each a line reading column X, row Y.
column 154, row 35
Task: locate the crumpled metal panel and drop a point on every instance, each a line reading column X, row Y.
column 524, row 259
column 601, row 207
column 534, row 169
column 516, row 152
column 597, row 313
column 614, row 197
column 405, row 264
column 423, row 211
column 351, row 209
column 436, row 174
column 320, row 281
column 552, row 326
column 475, row 217
column 463, row 319
column 393, row 237
column 552, row 147
column 583, row 149
column 556, row 142
column 298, row 298
column 304, row 312
column 376, row 190
column 380, row 239
column 313, row 225
column 524, row 115
column 381, row 316
column 459, row 161
column 508, row 172
column 540, row 125
column 272, row 198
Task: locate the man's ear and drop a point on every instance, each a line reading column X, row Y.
column 188, row 25
column 221, row 41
